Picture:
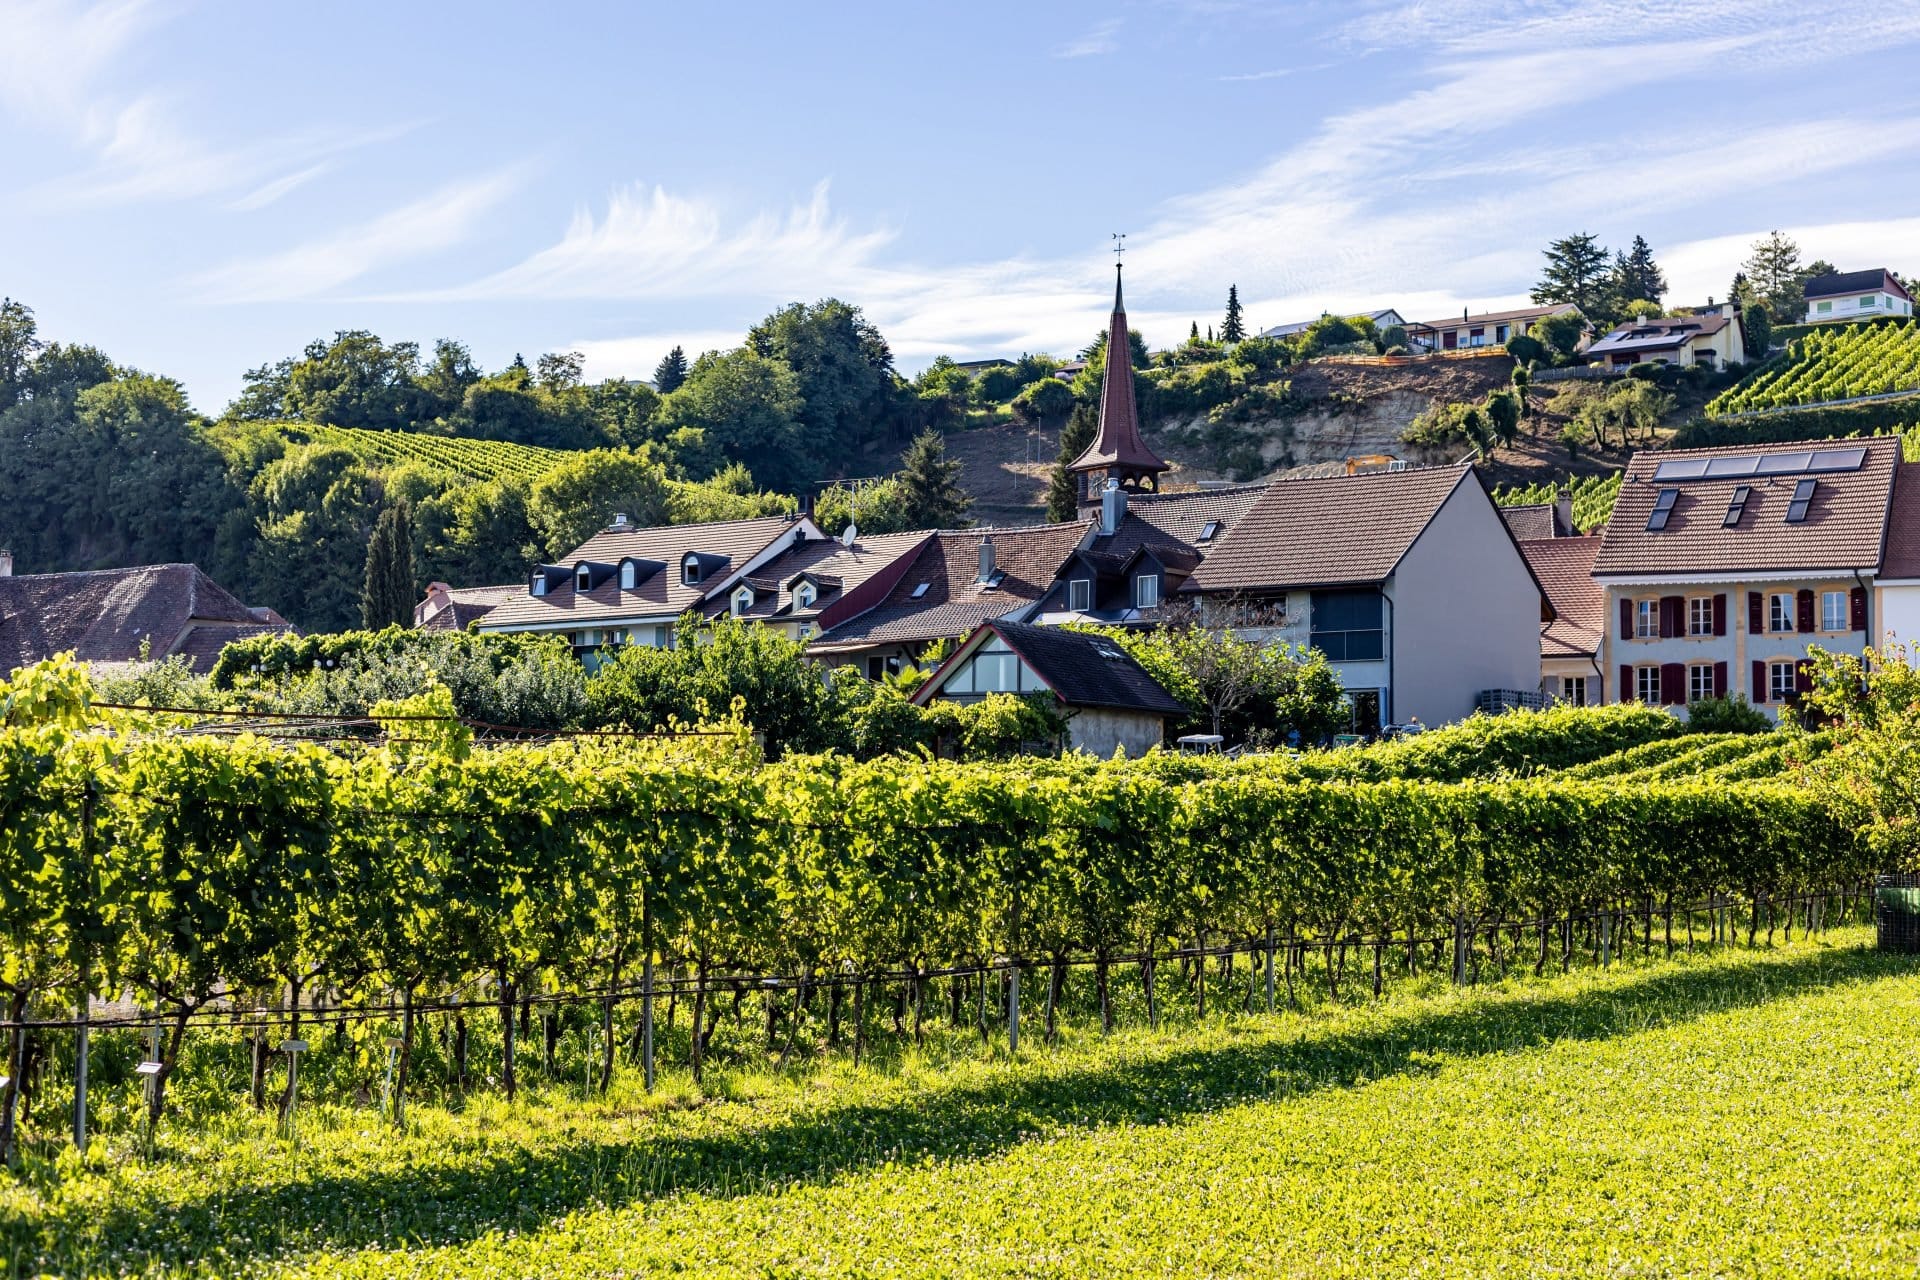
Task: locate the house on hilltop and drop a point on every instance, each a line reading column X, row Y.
column 1486, row 329
column 1384, row 318
column 1857, row 295
column 111, row 616
column 1714, row 341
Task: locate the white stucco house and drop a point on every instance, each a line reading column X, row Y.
column 1857, row 295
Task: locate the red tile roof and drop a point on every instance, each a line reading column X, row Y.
column 1532, row 520
column 953, row 603
column 107, row 615
column 1902, row 558
column 1564, row 569
column 1328, row 531
column 1844, row 529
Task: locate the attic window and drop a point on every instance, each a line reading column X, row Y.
column 1080, row 594
column 583, row 579
column 1802, row 496
column 1662, row 509
column 1737, row 505
column 690, row 571
column 742, row 600
column 1212, row 531
column 629, row 577
column 803, row 595
column 919, row 589
column 539, row 583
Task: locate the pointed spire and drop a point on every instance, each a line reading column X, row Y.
column 1117, row 449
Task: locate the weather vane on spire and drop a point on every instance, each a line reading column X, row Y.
column 1119, row 245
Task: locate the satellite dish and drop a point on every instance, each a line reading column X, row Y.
column 852, row 532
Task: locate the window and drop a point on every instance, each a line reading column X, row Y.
column 1146, row 591
column 663, row 637
column 1802, row 498
column 742, row 600
column 803, row 596
column 1737, row 505
column 1870, row 300
column 1573, row 690
column 1834, row 611
column 919, row 589
column 1699, row 681
column 1646, row 619
column 690, row 571
column 1211, row 531
column 1347, row 625
column 1780, row 685
column 1780, row 613
column 1080, row 594
column 1823, row 308
column 1662, row 510
column 1500, row 333
column 1646, row 685
column 582, row 579
column 629, row 576
column 539, row 584
column 1700, row 616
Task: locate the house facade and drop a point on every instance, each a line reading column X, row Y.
column 447, row 608
column 1571, row 670
column 1720, row 567
column 1857, row 295
column 1468, row 331
column 1715, row 341
column 1110, row 702
column 1408, row 581
column 1385, row 318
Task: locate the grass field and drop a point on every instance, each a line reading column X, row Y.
column 1744, row 1113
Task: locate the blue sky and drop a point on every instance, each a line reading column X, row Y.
column 200, row 187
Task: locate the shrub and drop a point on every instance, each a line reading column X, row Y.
column 1726, row 715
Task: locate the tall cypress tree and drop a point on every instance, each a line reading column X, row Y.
column 1234, row 327
column 671, row 371
column 1063, row 492
column 388, row 592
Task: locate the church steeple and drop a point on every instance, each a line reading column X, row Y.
column 1117, row 451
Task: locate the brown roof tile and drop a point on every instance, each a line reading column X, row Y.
column 835, row 568
column 1533, row 520
column 106, row 615
column 1902, row 559
column 1844, row 528
column 1564, row 569
column 1327, row 531
column 1496, row 317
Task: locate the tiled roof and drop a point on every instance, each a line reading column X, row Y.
column 1658, row 334
column 1844, row 527
column 1329, row 531
column 203, row 641
column 1498, row 317
column 835, row 568
column 1564, row 569
column 1117, row 443
column 660, row 594
column 1161, row 520
column 1088, row 671
column 470, row 604
column 105, row 615
column 1532, row 520
column 1902, row 558
column 1301, row 326
column 1836, row 283
column 954, row 603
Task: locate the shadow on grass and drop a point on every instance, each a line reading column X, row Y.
column 520, row 1190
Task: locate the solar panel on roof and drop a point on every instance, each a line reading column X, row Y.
column 1662, row 509
column 1682, row 469
column 1802, row 496
column 1838, row 460
column 1826, row 461
column 1718, row 468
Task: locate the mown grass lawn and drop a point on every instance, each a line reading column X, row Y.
column 1745, row 1113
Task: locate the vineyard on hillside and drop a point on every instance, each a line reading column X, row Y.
column 1592, row 497
column 475, row 459
column 1842, row 364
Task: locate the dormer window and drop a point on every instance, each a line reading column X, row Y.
column 539, row 583
column 803, row 596
column 742, row 600
column 629, row 575
column 1080, row 594
column 582, row 578
column 1146, row 591
column 690, row 571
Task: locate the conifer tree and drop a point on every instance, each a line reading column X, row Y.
column 1063, row 490
column 1576, row 272
column 930, row 492
column 1774, row 273
column 387, row 593
column 1193, row 333
column 671, row 371
column 1638, row 276
column 1234, row 327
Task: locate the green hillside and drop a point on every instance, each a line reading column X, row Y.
column 1592, row 497
column 472, row 459
column 1832, row 364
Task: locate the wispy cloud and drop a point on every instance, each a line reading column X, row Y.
column 1102, row 38
column 1275, row 73
column 262, row 196
column 400, row 236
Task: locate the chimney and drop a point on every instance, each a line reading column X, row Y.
column 619, row 519
column 1563, row 512
column 438, row 598
column 6, row 564
column 986, row 560
column 1113, row 505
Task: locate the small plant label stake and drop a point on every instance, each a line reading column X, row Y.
column 394, row 1044
column 149, row 1073
column 293, row 1049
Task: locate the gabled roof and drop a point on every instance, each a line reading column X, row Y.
column 1383, row 317
column 1328, row 531
column 1902, row 557
column 725, row 546
column 1531, row 520
column 106, row 615
column 1564, row 569
column 1499, row 317
column 832, row 566
column 1659, row 334
column 1117, row 445
column 1082, row 670
column 1835, row 283
column 953, row 603
column 465, row 605
column 1844, row 528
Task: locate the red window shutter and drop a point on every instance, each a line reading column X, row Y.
column 1720, row 614
column 1719, row 679
column 1673, row 616
column 1756, row 613
column 1626, row 619
column 1627, row 691
column 1802, row 677
column 1857, row 609
column 1673, row 683
column 1759, row 681
column 1803, row 607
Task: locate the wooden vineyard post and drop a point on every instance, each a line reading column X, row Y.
column 80, row 1062
column 1269, row 966
column 646, row 989
column 1606, row 938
